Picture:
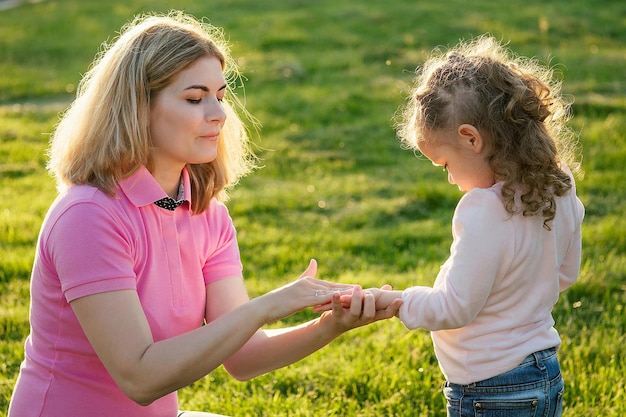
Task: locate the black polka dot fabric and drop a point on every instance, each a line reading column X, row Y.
column 169, row 203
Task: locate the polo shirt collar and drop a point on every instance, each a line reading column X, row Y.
column 142, row 189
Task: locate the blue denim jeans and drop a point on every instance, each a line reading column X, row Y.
column 533, row 389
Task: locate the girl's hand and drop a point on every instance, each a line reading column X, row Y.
column 360, row 310
column 383, row 297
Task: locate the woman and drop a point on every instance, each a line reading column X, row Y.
column 137, row 284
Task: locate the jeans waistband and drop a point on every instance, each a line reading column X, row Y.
column 539, row 355
column 537, row 358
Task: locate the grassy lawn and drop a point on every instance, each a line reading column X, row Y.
column 324, row 79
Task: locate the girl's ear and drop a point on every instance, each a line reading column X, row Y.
column 471, row 137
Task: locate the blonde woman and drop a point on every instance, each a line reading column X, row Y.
column 137, row 284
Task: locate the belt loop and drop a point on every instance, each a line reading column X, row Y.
column 539, row 360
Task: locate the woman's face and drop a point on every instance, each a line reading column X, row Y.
column 187, row 116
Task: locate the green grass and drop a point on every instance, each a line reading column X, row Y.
column 325, row 78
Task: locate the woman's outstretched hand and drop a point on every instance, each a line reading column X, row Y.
column 306, row 291
column 344, row 306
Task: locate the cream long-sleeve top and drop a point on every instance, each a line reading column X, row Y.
column 491, row 303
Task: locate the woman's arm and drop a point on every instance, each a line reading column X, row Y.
column 271, row 349
column 268, row 350
column 145, row 370
column 116, row 327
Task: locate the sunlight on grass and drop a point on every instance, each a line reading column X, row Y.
column 324, row 79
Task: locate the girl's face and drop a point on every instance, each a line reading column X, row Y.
column 462, row 154
column 187, row 116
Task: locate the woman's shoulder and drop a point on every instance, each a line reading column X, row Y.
column 83, row 194
column 85, row 204
column 214, row 218
column 217, row 211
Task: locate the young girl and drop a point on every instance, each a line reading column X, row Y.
column 137, row 285
column 496, row 124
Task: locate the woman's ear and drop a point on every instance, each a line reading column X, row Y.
column 471, row 137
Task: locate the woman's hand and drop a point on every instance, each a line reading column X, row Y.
column 306, row 291
column 344, row 307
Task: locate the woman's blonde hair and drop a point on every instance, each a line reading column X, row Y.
column 515, row 102
column 104, row 135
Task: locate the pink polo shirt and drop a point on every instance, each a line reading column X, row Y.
column 92, row 243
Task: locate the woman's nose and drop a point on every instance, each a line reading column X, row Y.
column 215, row 111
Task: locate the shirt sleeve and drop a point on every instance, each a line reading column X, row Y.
column 570, row 266
column 90, row 251
column 481, row 239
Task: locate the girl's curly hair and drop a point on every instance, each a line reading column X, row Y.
column 516, row 102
